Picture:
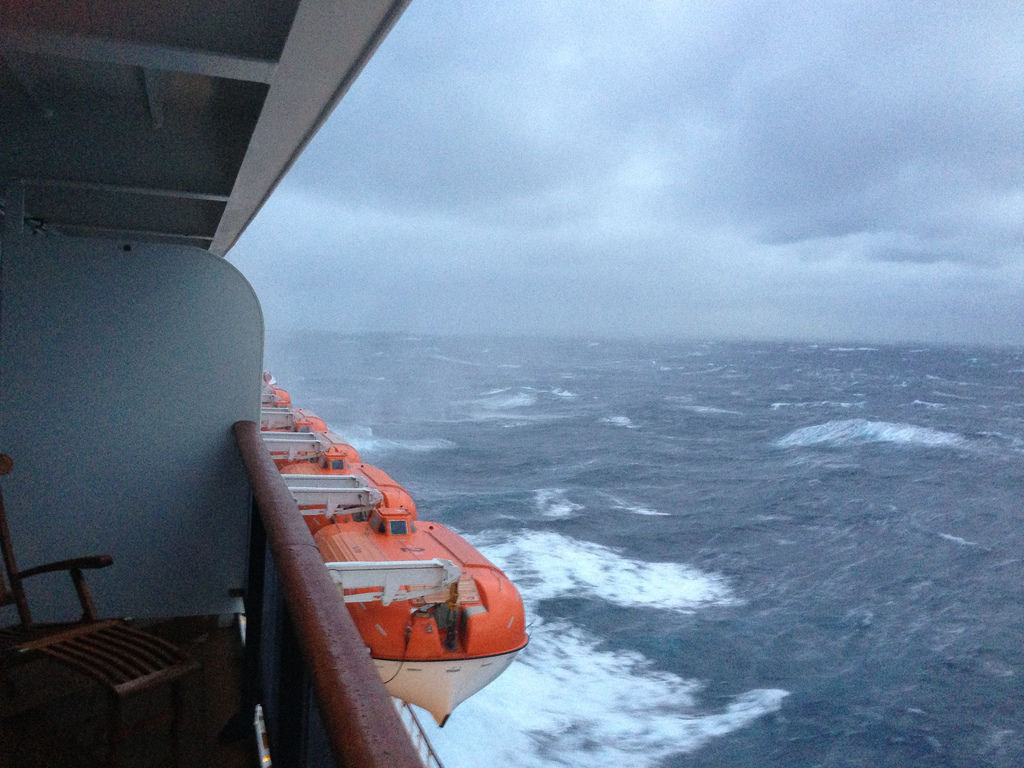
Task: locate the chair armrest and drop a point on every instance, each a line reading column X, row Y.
column 76, row 563
column 74, row 568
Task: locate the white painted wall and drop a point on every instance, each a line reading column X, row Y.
column 121, row 373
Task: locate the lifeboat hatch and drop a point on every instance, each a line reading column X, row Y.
column 392, row 522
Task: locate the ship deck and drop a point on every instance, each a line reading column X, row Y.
column 52, row 717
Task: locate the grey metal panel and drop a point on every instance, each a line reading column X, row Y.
column 327, row 48
column 202, row 106
column 122, row 374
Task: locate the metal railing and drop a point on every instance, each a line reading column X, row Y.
column 412, row 723
column 306, row 664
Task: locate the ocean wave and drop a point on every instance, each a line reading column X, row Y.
column 456, row 360
column 646, row 511
column 564, row 393
column 818, row 404
column 710, row 369
column 552, row 503
column 951, row 396
column 709, row 410
column 1013, row 442
column 619, row 421
column 861, row 431
column 506, row 399
column 567, row 702
column 511, row 406
column 635, row 509
column 545, row 565
column 363, row 440
column 958, row 540
column 567, row 699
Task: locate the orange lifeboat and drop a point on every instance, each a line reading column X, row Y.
column 443, row 632
column 440, row 620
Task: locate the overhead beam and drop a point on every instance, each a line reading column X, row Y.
column 132, row 54
column 148, row 234
column 327, row 48
column 90, row 186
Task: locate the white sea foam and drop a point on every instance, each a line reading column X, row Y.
column 565, row 701
column 557, row 392
column 635, row 509
column 367, row 443
column 860, row 431
column 710, row 410
column 423, row 445
column 711, row 369
column 552, row 503
column 645, row 511
column 958, row 540
column 511, row 406
column 619, row 421
column 457, row 361
column 544, row 565
column 505, row 399
column 818, row 404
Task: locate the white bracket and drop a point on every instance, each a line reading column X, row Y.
column 393, row 580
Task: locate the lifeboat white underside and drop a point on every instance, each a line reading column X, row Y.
column 440, row 686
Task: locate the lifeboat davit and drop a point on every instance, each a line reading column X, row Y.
column 440, row 620
column 284, row 419
column 273, row 396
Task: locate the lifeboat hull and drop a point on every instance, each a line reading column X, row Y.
column 438, row 649
column 440, row 686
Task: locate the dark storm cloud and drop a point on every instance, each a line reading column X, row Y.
column 871, row 119
column 730, row 168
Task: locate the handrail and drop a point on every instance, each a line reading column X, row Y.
column 419, row 736
column 360, row 723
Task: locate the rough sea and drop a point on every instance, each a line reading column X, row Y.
column 731, row 554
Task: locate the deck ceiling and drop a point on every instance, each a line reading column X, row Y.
column 169, row 120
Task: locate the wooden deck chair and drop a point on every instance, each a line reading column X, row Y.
column 123, row 659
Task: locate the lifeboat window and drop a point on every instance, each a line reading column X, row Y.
column 337, row 463
column 304, row 429
column 398, row 528
column 376, row 523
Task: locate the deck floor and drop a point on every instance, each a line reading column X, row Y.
column 52, row 717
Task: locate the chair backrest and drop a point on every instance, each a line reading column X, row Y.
column 10, row 590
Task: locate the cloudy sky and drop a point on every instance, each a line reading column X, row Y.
column 839, row 171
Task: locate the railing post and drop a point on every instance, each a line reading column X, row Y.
column 254, row 610
column 289, row 738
